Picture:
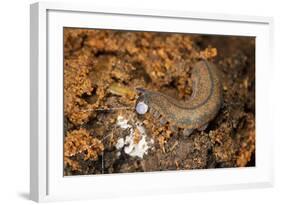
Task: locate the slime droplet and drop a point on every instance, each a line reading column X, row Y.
column 141, row 108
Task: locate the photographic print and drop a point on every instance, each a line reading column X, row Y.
column 137, row 101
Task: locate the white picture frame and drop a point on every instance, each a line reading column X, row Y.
column 47, row 182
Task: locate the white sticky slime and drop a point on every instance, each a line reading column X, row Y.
column 130, row 147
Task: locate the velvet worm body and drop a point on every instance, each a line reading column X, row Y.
column 195, row 113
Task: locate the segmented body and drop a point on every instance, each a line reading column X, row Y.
column 196, row 112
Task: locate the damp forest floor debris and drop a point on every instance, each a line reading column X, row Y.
column 102, row 132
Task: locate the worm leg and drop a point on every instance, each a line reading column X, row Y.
column 163, row 121
column 187, row 132
column 203, row 127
